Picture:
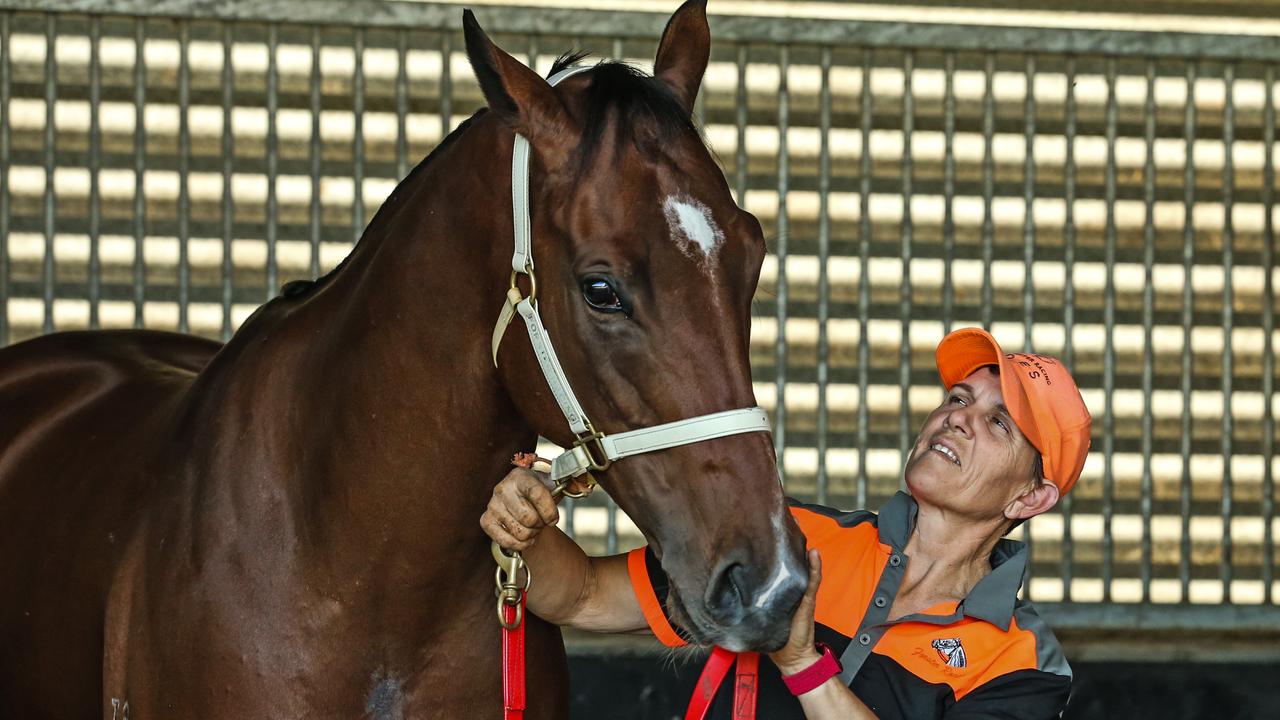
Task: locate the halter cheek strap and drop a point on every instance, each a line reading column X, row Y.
column 593, row 450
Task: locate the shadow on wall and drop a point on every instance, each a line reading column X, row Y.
column 622, row 687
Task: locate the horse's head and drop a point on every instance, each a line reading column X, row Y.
column 645, row 272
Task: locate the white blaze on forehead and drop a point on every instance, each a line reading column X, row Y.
column 692, row 226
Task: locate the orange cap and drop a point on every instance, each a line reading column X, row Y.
column 1041, row 396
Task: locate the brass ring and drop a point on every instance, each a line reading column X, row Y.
column 502, row 616
column 533, row 283
column 563, row 488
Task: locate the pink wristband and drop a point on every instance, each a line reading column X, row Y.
column 814, row 675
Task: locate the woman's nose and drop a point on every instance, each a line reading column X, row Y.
column 958, row 420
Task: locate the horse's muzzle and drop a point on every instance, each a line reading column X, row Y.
column 753, row 605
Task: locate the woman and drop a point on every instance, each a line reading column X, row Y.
column 917, row 614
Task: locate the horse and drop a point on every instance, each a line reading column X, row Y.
column 286, row 525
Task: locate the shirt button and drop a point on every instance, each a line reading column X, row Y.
column 895, row 560
column 864, row 639
column 881, row 602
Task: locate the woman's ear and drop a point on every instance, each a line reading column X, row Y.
column 684, row 51
column 1034, row 501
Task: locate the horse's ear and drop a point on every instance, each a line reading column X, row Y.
column 684, row 51
column 511, row 89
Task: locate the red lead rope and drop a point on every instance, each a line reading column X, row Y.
column 744, row 688
column 513, row 680
column 513, row 701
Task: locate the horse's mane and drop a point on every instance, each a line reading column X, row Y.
column 633, row 97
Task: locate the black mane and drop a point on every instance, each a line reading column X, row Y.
column 644, row 108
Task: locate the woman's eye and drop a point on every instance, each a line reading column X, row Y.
column 601, row 296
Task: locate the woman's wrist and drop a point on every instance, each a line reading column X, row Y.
column 800, row 662
column 803, row 678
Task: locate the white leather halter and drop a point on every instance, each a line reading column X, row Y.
column 582, row 457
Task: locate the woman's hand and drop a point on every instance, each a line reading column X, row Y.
column 572, row 589
column 521, row 507
column 799, row 652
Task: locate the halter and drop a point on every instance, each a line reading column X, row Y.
column 592, row 450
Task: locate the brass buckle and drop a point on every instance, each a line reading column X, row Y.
column 586, row 440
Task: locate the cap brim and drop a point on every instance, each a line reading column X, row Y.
column 964, row 351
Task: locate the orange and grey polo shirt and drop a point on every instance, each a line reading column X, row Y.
column 989, row 655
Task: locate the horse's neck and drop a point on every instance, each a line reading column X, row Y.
column 370, row 408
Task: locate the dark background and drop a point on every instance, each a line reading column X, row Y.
column 614, row 686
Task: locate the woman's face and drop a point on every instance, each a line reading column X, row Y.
column 970, row 458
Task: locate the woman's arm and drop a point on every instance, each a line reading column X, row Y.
column 568, row 587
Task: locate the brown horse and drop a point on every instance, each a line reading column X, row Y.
column 285, row 526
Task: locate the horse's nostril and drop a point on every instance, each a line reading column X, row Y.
column 738, row 580
column 730, row 593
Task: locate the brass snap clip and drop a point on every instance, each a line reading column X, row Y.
column 508, row 587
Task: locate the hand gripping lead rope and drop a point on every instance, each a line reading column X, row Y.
column 592, row 450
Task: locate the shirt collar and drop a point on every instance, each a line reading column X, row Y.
column 993, row 598
column 896, row 521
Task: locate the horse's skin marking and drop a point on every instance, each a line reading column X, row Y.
column 783, row 573
column 779, row 576
column 692, row 226
column 386, row 702
column 118, row 711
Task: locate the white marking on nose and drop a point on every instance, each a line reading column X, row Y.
column 692, row 226
column 779, row 576
column 783, row 573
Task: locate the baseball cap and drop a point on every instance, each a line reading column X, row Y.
column 1040, row 393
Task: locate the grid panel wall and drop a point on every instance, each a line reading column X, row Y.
column 1107, row 201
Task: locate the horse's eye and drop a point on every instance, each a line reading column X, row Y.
column 601, row 296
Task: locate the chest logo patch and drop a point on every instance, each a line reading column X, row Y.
column 951, row 651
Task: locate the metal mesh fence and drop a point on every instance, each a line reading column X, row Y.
column 1105, row 197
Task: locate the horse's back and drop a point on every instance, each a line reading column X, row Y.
column 57, row 377
column 82, row 414
column 66, row 392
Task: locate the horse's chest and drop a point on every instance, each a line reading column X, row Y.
column 244, row 655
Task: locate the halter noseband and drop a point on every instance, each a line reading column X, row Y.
column 592, row 450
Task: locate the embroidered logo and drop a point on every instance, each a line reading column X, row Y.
column 950, row 650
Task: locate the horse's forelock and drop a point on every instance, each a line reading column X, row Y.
column 569, row 59
column 638, row 102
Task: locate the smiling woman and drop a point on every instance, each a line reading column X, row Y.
column 909, row 613
column 970, row 456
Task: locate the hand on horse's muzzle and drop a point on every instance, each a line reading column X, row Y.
column 521, row 507
column 799, row 651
